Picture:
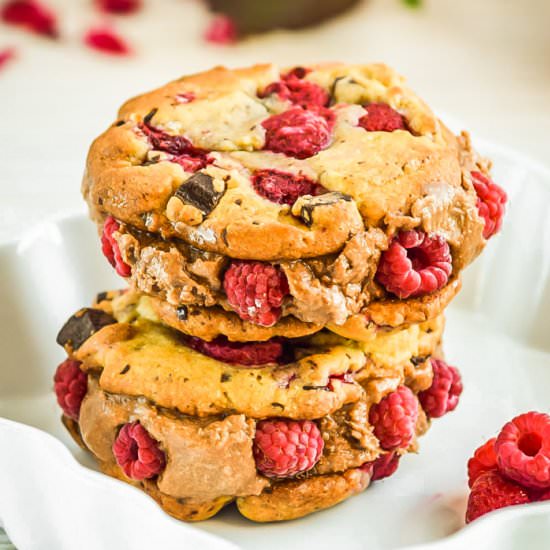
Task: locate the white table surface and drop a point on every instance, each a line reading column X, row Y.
column 484, row 61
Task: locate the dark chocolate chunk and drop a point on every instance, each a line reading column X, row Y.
column 275, row 404
column 309, row 204
column 100, row 296
column 315, row 388
column 181, row 312
column 417, row 360
column 125, row 369
column 198, row 191
column 82, row 325
column 149, row 116
column 119, row 123
column 225, row 377
column 224, row 236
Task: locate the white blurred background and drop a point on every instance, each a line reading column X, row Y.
column 483, row 63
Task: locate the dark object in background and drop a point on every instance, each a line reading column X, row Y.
column 252, row 16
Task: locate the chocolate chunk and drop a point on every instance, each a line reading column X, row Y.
column 100, row 296
column 125, row 369
column 198, row 191
column 82, row 325
column 309, row 204
column 225, row 377
column 182, row 312
column 417, row 360
column 119, row 123
column 149, row 116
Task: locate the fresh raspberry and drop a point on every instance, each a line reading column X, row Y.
column 484, row 460
column 300, row 92
column 384, row 466
column 382, row 118
column 221, row 30
column 256, row 290
column 282, row 187
column 541, row 496
column 110, row 247
column 71, row 385
column 491, row 200
column 106, row 40
column 180, row 149
column 240, row 353
column 443, row 395
column 137, row 453
column 523, row 450
column 394, row 419
column 415, row 264
column 121, row 7
column 31, row 15
column 491, row 492
column 286, row 448
column 298, row 133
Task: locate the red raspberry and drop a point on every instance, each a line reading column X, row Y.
column 384, row 466
column 119, row 6
column 523, row 450
column 382, row 118
column 106, row 40
column 137, row 453
column 415, row 264
column 240, row 353
column 394, row 419
column 71, row 385
column 298, row 133
column 345, row 378
column 110, row 248
column 256, row 290
column 484, row 460
column 300, row 92
column 221, row 30
column 180, row 149
column 443, row 395
column 282, row 187
column 491, row 492
column 491, row 200
column 286, row 448
column 31, row 15
column 540, row 497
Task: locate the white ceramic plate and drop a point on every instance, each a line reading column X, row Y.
column 498, row 333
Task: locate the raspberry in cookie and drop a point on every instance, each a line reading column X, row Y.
column 415, row 264
column 283, row 187
column 298, row 133
column 70, row 385
column 137, row 453
column 384, row 466
column 382, row 118
column 255, row 290
column 110, row 248
column 491, row 203
column 523, row 450
column 443, row 395
column 284, row 448
column 394, row 419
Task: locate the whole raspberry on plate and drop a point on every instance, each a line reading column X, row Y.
column 492, row 491
column 415, row 264
column 491, row 203
column 484, row 460
column 110, row 248
column 523, row 450
column 137, row 453
column 71, row 385
column 297, row 132
column 394, row 419
column 255, row 290
column 282, row 187
column 443, row 395
column 382, row 118
column 286, row 448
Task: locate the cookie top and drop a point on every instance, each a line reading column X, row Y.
column 274, row 165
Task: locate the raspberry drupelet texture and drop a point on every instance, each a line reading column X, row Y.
column 490, row 492
column 71, row 385
column 491, row 202
column 292, row 87
column 415, row 264
column 240, row 353
column 394, row 419
column 444, row 393
column 298, row 133
column 283, row 187
column 523, row 450
column 137, row 453
column 255, row 290
column 286, row 448
column 384, row 466
column 110, row 248
column 484, row 460
column 382, row 118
